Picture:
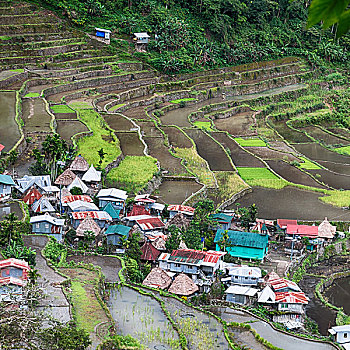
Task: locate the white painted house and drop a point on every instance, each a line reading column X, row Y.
column 340, row 334
column 240, row 294
column 245, row 275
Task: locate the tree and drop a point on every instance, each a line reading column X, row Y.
column 133, row 250
column 101, row 154
column 174, row 238
column 10, row 230
column 17, row 250
column 76, row 191
column 330, row 13
column 192, row 237
column 247, row 215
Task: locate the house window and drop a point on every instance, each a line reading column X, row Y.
column 345, row 335
column 245, row 278
column 37, row 225
column 47, row 226
column 236, row 277
column 284, row 306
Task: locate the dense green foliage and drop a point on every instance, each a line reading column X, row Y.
column 211, row 33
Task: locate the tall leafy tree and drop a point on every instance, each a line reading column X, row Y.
column 174, row 239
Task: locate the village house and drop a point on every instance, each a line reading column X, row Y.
column 241, row 294
column 116, row 233
column 47, row 225
column 340, row 334
column 51, row 192
column 141, row 41
column 79, row 165
column 293, row 246
column 149, row 225
column 195, row 263
column 114, row 213
column 183, row 286
column 149, row 252
column 39, row 182
column 245, row 275
column 102, row 218
column 326, row 231
column 66, row 178
column 70, row 199
column 13, row 277
column 112, row 195
column 157, row 278
column 6, row 184
column 183, row 209
column 80, row 205
column 32, row 196
column 282, row 223
column 104, row 34
column 92, row 176
column 247, row 245
column 302, row 231
column 222, row 221
column 42, row 205
column 88, row 225
column 78, row 183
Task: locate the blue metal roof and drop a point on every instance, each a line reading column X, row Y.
column 7, row 180
column 118, row 230
column 243, row 239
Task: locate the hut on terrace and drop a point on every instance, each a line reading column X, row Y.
column 326, row 231
column 180, row 220
column 77, row 182
column 79, row 164
column 157, row 278
column 66, row 178
column 92, row 175
column 149, row 252
column 88, row 225
column 183, row 285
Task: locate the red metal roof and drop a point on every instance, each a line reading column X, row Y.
column 12, row 280
column 302, row 230
column 32, row 196
column 150, row 223
column 192, row 256
column 99, row 215
column 181, row 209
column 149, row 252
column 1, row 147
column 291, row 298
column 70, row 199
column 12, row 262
column 282, row 283
column 284, row 222
column 138, row 210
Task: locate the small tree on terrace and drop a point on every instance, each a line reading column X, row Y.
column 133, row 250
column 174, row 239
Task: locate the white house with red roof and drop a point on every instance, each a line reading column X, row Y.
column 147, row 224
column 13, row 277
column 183, row 209
column 102, row 218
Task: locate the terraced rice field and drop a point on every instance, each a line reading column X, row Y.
column 194, row 126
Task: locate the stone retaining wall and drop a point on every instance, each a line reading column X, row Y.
column 13, row 79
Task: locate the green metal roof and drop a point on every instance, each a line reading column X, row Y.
column 111, row 211
column 7, row 180
column 118, row 230
column 243, row 239
column 221, row 217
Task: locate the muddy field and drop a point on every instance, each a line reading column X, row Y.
column 268, row 153
column 177, row 138
column 118, row 122
column 293, row 174
column 67, row 129
column 337, row 181
column 291, row 135
column 323, row 136
column 130, row 143
column 241, row 124
column 239, row 156
column 35, row 115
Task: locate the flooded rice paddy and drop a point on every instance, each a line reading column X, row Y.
column 35, row 115
column 291, row 203
column 130, row 143
column 143, row 318
column 118, row 122
column 176, row 191
column 68, row 128
column 7, row 118
column 241, row 124
column 334, row 180
column 325, row 137
column 338, row 294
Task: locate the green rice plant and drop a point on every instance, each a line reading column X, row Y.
column 343, row 150
column 276, row 184
column 256, row 173
column 203, row 125
column 196, row 165
column 116, row 107
column 102, row 137
column 337, row 198
column 255, row 142
column 32, row 94
column 307, row 164
column 80, row 105
column 61, row 109
column 133, row 173
column 183, row 100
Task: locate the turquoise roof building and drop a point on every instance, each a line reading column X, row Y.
column 247, row 245
column 114, row 213
column 222, row 220
column 115, row 233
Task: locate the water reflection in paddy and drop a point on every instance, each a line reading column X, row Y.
column 142, row 318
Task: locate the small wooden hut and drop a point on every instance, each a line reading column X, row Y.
column 79, row 164
column 157, row 278
column 183, row 285
column 88, row 225
column 66, row 178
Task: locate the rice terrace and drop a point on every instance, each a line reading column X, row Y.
column 179, row 104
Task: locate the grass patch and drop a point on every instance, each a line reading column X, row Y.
column 87, row 311
column 5, row 37
column 116, row 107
column 32, row 94
column 61, row 109
column 229, row 184
column 256, row 174
column 276, row 184
column 80, row 105
column 19, row 70
column 102, row 137
column 196, row 165
column 250, row 142
column 183, row 100
column 133, row 173
column 343, row 150
column 308, row 164
column 337, row 198
column 204, row 125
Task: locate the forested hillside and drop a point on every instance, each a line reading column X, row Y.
column 193, row 34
